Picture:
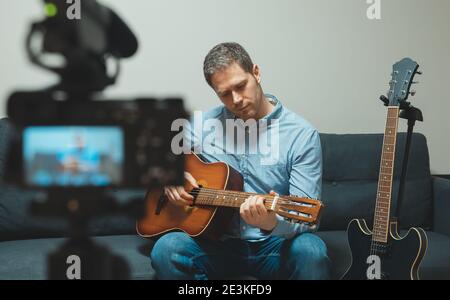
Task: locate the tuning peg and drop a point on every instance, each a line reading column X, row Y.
column 419, row 72
column 385, row 100
column 414, row 82
column 413, row 92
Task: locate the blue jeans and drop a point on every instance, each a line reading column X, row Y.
column 176, row 255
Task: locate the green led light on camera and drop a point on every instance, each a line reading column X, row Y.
column 51, row 10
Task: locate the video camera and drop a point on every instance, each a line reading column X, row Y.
column 77, row 148
column 65, row 139
column 92, row 144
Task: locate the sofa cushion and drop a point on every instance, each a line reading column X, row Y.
column 27, row 259
column 351, row 165
column 436, row 263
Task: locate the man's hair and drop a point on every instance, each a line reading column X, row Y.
column 222, row 56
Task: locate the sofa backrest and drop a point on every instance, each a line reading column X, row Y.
column 351, row 164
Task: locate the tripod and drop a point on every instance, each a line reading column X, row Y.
column 79, row 257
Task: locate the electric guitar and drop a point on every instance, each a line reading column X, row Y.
column 382, row 253
column 220, row 189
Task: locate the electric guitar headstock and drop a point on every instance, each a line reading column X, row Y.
column 402, row 77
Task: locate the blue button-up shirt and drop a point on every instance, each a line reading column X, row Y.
column 286, row 158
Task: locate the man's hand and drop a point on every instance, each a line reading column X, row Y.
column 255, row 213
column 178, row 195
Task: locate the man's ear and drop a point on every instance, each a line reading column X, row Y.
column 257, row 73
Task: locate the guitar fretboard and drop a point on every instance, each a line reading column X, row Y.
column 384, row 193
column 296, row 208
column 213, row 197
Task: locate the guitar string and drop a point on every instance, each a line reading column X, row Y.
column 267, row 204
column 268, row 201
column 211, row 192
column 238, row 194
column 241, row 198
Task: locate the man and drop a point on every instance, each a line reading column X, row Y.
column 81, row 165
column 260, row 243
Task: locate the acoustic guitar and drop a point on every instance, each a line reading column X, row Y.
column 381, row 253
column 219, row 196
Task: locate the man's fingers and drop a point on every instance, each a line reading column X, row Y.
column 188, row 176
column 170, row 195
column 185, row 195
column 262, row 211
column 175, row 197
column 242, row 212
column 245, row 210
column 252, row 206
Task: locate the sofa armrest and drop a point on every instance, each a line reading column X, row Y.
column 441, row 205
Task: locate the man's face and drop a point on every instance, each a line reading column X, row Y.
column 239, row 91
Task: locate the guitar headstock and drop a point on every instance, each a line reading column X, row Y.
column 300, row 209
column 402, row 76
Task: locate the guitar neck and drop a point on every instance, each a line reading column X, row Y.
column 384, row 192
column 213, row 197
column 292, row 207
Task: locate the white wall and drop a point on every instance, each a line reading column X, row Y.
column 323, row 58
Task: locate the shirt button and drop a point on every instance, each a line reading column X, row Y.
column 243, row 227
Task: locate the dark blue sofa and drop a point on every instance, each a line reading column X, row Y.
column 351, row 164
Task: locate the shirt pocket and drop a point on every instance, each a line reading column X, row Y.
column 273, row 177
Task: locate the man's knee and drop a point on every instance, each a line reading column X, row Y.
column 310, row 246
column 308, row 255
column 170, row 245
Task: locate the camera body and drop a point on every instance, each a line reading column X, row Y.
column 64, row 142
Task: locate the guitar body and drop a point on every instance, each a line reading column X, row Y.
column 401, row 261
column 163, row 216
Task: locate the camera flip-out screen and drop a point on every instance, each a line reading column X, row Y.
column 74, row 145
column 73, row 156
